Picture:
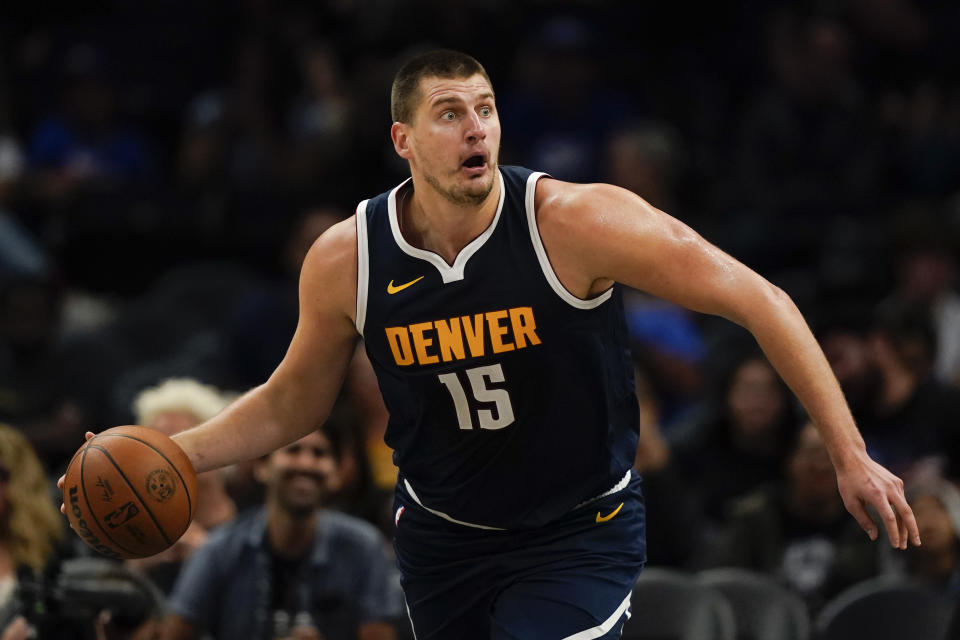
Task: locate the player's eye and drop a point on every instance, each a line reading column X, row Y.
column 486, row 112
column 448, row 115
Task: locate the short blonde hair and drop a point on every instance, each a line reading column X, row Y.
column 178, row 394
column 34, row 525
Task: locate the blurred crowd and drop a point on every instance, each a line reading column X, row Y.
column 164, row 167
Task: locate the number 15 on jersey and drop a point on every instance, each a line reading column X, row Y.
column 480, row 379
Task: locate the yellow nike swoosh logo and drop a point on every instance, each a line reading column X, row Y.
column 610, row 515
column 391, row 289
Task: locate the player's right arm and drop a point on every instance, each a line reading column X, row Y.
column 299, row 395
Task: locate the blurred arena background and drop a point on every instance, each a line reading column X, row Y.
column 165, row 165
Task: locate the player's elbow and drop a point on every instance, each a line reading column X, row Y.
column 770, row 301
column 760, row 302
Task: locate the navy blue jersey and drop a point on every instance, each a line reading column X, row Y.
column 511, row 401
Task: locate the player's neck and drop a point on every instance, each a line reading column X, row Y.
column 432, row 222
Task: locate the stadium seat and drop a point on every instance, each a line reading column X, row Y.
column 886, row 609
column 762, row 608
column 672, row 605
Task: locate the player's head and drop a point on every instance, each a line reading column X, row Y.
column 300, row 475
column 445, row 124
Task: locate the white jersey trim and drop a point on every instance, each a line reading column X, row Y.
column 449, row 273
column 410, row 617
column 363, row 266
column 603, row 628
column 545, row 265
column 441, row 514
column 620, row 486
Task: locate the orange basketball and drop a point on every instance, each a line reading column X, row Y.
column 130, row 492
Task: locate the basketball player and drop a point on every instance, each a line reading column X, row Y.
column 488, row 302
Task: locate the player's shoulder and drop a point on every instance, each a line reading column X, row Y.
column 572, row 205
column 337, row 243
column 331, row 259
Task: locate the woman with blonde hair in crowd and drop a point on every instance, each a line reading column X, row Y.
column 30, row 526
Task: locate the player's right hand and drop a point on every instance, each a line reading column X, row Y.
column 63, row 508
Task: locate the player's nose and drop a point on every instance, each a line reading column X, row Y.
column 475, row 130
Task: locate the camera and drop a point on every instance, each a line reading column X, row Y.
column 65, row 605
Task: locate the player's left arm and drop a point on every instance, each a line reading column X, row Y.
column 598, row 234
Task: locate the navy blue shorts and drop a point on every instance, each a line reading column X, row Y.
column 571, row 579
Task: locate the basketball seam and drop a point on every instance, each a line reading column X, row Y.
column 162, row 455
column 93, row 516
column 132, row 488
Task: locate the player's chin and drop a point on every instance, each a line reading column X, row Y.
column 478, row 184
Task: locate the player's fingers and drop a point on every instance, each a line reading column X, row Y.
column 890, row 523
column 904, row 537
column 863, row 519
column 911, row 531
column 61, row 481
column 89, row 434
column 63, row 509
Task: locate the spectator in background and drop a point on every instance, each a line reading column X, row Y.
column 265, row 319
column 19, row 252
column 292, row 564
column 796, row 529
column 320, row 117
column 30, row 527
column 936, row 505
column 926, row 274
column 644, row 158
column 910, row 415
column 844, row 343
column 200, row 175
column 562, row 113
column 367, row 473
column 667, row 339
column 743, row 439
column 675, row 524
column 805, row 155
column 923, row 135
column 52, row 388
column 176, row 405
column 254, row 154
column 85, row 146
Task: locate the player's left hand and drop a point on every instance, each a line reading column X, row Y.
column 60, row 481
column 863, row 482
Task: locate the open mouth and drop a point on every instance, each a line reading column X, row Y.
column 475, row 161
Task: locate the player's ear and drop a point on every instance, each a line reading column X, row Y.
column 399, row 133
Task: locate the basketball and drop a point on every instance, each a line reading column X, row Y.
column 130, row 492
